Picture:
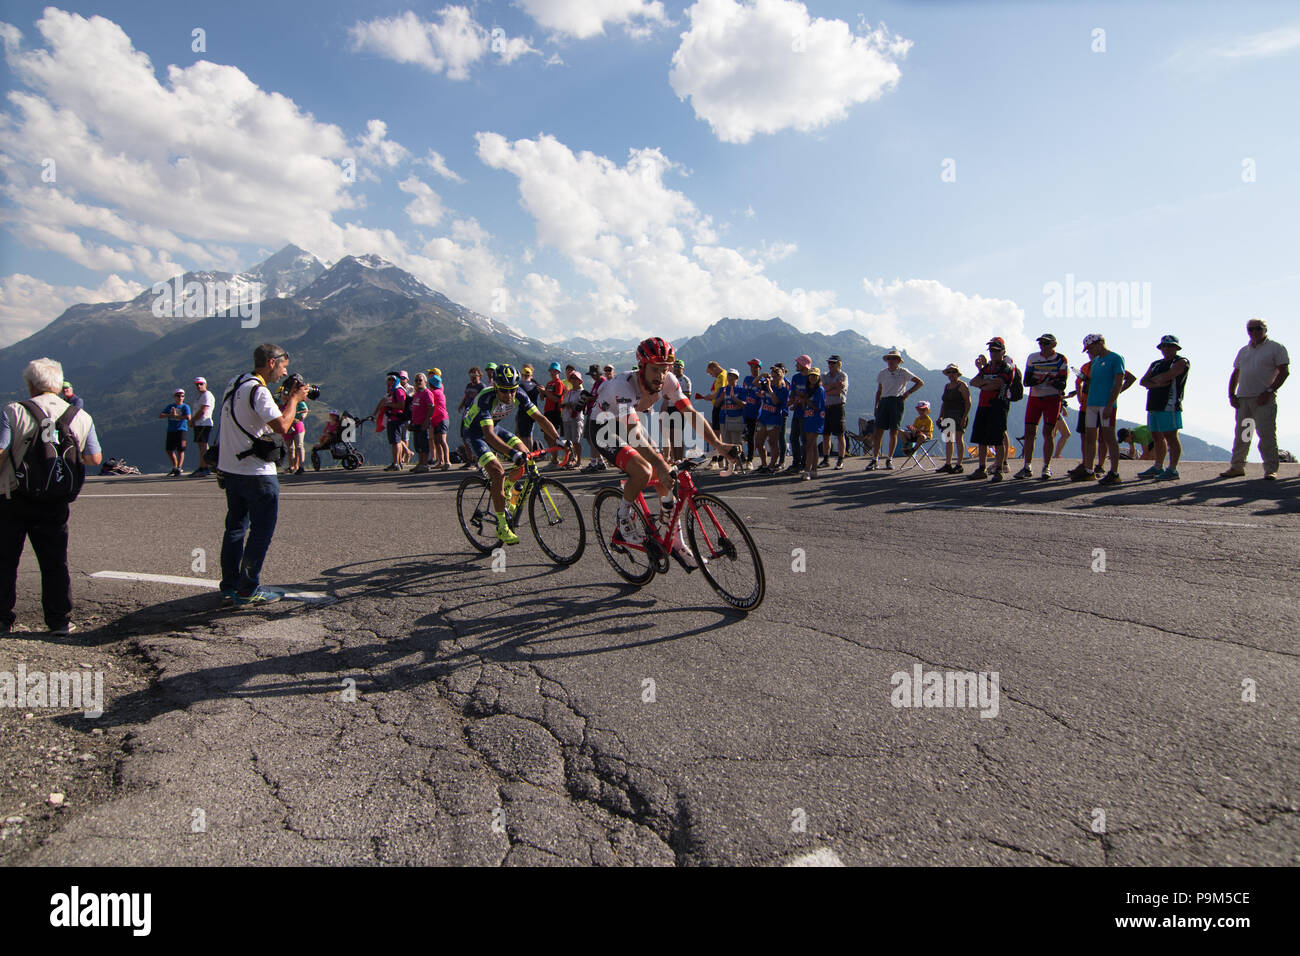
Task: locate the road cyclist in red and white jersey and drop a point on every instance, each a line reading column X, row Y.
column 614, row 431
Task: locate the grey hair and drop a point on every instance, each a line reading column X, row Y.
column 43, row 375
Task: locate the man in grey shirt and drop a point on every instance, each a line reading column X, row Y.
column 1258, row 372
column 837, row 390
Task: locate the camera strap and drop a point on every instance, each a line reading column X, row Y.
column 230, row 397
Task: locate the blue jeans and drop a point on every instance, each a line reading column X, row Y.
column 252, row 506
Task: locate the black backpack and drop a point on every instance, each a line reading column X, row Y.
column 1017, row 391
column 51, row 468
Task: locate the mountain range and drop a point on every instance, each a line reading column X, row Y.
column 346, row 324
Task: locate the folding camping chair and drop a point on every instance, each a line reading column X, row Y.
column 859, row 443
column 922, row 450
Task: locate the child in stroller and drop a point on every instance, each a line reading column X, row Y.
column 341, row 425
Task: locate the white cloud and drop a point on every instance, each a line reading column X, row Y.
column 765, row 66
column 650, row 255
column 28, row 304
column 435, row 161
column 451, row 44
column 937, row 324
column 375, row 147
column 426, row 208
column 145, row 169
column 1258, row 45
column 587, row 18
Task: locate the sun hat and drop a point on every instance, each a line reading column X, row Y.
column 1170, row 340
column 435, row 381
column 553, row 367
column 923, row 406
column 1047, row 337
column 1091, row 339
column 892, row 353
column 952, row 367
column 804, row 362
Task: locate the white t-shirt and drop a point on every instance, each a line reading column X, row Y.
column 622, row 396
column 233, row 439
column 894, row 384
column 1256, row 365
column 207, row 403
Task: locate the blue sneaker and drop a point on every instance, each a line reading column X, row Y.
column 1168, row 474
column 1155, row 471
column 228, row 595
column 259, row 596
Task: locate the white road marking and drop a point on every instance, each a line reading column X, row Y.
column 1078, row 514
column 132, row 494
column 824, row 856
column 158, row 579
column 208, row 583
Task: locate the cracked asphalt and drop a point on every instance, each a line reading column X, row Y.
column 435, row 711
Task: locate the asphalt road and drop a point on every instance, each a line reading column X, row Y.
column 506, row 717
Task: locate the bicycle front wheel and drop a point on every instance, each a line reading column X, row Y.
column 474, row 506
column 632, row 561
column 726, row 552
column 557, row 522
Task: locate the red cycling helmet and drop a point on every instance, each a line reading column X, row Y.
column 654, row 351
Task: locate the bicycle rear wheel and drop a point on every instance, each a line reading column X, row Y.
column 632, row 561
column 557, row 521
column 474, row 507
column 726, row 552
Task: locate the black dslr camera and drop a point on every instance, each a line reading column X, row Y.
column 294, row 380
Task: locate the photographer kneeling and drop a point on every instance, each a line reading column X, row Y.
column 246, row 463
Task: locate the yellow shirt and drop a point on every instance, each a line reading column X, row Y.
column 719, row 384
column 924, row 425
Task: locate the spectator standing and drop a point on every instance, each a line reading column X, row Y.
column 1258, row 371
column 990, row 428
column 205, row 404
column 733, row 414
column 178, row 431
column 719, row 378
column 837, row 393
column 574, row 409
column 471, row 392
column 421, row 412
column 751, row 407
column 674, row 420
column 438, row 422
column 1107, row 378
column 295, row 438
column 954, row 415
column 43, row 521
column 1081, row 390
column 813, row 412
column 893, row 386
column 524, row 421
column 390, row 414
column 71, row 397
column 248, row 415
column 1166, row 382
column 774, row 398
column 598, row 378
column 553, row 393
column 1046, row 374
column 798, row 385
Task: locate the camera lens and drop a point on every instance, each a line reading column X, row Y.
column 313, row 393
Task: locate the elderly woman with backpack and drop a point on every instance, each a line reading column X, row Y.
column 45, row 444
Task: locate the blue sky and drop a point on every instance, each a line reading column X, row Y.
column 617, row 167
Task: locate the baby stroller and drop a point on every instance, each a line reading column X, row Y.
column 346, row 452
